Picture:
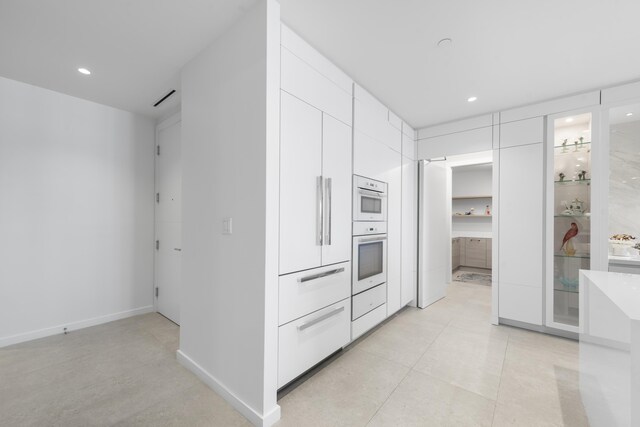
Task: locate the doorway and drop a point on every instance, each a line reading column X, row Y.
column 455, row 223
column 168, row 218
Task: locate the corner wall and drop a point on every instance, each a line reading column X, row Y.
column 76, row 213
column 230, row 134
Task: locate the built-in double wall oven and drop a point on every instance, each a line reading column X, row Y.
column 368, row 285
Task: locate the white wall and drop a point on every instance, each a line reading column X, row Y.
column 230, row 134
column 76, row 215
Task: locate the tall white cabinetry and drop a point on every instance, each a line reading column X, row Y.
column 378, row 155
column 409, row 216
column 521, row 220
column 315, row 209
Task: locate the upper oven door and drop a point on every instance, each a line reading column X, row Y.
column 369, row 205
column 369, row 262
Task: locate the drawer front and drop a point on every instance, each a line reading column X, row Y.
column 368, row 300
column 368, row 321
column 306, row 341
column 307, row 291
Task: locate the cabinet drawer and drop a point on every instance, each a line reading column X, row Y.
column 306, row 341
column 368, row 300
column 307, row 291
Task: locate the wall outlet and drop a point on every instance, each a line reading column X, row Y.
column 227, row 226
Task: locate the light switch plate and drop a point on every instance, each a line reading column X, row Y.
column 227, row 226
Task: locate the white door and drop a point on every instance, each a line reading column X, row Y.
column 301, row 185
column 336, row 171
column 168, row 214
column 409, row 232
column 435, row 231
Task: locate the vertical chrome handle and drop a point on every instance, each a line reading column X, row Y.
column 319, row 222
column 327, row 235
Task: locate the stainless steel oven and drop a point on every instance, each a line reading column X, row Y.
column 369, row 199
column 369, row 256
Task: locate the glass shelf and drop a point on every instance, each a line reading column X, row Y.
column 560, row 288
column 572, row 216
column 576, row 256
column 577, row 181
column 571, row 145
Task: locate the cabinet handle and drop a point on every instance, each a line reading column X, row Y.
column 320, row 275
column 327, row 236
column 320, row 319
column 319, row 222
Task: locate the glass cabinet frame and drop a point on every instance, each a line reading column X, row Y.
column 585, row 250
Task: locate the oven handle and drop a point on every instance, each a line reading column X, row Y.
column 321, row 318
column 371, row 239
column 320, row 275
column 371, row 193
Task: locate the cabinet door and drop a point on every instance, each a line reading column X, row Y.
column 409, row 233
column 521, row 233
column 476, row 252
column 300, row 189
column 489, row 253
column 336, row 171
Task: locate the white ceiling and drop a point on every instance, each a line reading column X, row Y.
column 505, row 52
column 134, row 48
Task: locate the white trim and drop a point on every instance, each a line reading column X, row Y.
column 246, row 410
column 55, row 330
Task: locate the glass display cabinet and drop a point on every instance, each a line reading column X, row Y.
column 569, row 222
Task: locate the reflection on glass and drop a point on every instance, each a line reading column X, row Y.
column 624, row 180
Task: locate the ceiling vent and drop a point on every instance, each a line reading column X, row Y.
column 164, row 98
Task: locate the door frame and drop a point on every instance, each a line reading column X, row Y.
column 160, row 126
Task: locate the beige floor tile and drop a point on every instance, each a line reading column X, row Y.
column 540, row 385
column 198, row 406
column 346, row 393
column 421, row 400
column 401, row 341
column 466, row 359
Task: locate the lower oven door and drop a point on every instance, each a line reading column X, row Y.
column 369, row 262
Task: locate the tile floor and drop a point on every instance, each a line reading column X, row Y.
column 442, row 366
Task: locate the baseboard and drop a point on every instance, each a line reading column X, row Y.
column 59, row 329
column 247, row 411
column 539, row 328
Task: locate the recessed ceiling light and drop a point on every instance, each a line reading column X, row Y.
column 472, row 99
column 84, row 71
column 569, row 119
column 446, row 42
column 629, row 114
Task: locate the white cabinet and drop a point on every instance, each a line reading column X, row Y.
column 409, row 231
column 300, row 171
column 306, row 341
column 310, row 290
column 336, row 169
column 521, row 233
column 315, row 187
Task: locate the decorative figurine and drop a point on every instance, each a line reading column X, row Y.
column 564, row 145
column 561, row 175
column 567, row 243
column 581, row 140
column 487, row 211
column 575, row 144
column 582, row 175
column 577, row 207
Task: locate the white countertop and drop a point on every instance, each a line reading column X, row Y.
column 624, row 260
column 622, row 289
column 471, row 234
